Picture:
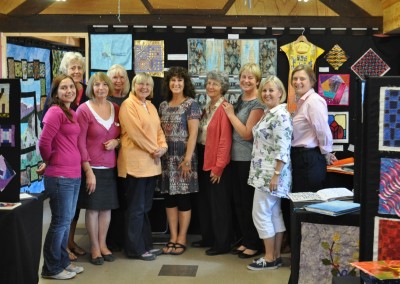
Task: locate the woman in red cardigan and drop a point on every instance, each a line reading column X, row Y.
column 214, row 146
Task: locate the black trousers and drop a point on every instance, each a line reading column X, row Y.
column 308, row 169
column 115, row 234
column 139, row 197
column 243, row 195
column 215, row 209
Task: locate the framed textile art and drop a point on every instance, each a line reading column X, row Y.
column 389, row 187
column 389, row 119
column 336, row 57
column 327, row 250
column 339, row 124
column 386, row 231
column 370, row 64
column 334, row 88
column 149, row 57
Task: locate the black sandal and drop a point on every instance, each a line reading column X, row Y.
column 178, row 246
column 169, row 245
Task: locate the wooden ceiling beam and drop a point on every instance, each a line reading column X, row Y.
column 155, row 11
column 60, row 23
column 31, row 7
column 345, row 8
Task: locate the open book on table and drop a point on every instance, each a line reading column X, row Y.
column 326, row 194
column 333, row 208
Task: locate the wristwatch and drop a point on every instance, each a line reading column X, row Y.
column 277, row 173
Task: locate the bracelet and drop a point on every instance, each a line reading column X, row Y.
column 119, row 142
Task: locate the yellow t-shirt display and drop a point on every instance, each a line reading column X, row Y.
column 299, row 52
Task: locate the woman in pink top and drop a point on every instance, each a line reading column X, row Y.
column 58, row 145
column 98, row 119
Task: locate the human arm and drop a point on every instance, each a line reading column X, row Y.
column 90, row 177
column 244, row 130
column 186, row 165
column 52, row 123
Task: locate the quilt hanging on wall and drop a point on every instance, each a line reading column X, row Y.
column 339, row 124
column 109, row 49
column 385, row 231
column 32, row 66
column 389, row 187
column 336, row 57
column 370, row 64
column 229, row 55
column 334, row 88
column 326, row 251
column 149, row 57
column 389, row 119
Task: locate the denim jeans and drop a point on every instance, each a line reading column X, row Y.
column 63, row 193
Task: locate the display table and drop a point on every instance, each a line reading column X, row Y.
column 297, row 216
column 21, row 242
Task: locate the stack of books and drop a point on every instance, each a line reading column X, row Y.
column 333, row 208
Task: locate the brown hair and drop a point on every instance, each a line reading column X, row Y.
column 54, row 100
column 180, row 72
column 99, row 76
column 310, row 72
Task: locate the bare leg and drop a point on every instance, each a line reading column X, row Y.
column 92, row 226
column 269, row 249
column 184, row 221
column 104, row 223
column 172, row 216
column 278, row 244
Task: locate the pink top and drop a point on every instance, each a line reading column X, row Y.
column 94, row 134
column 58, row 144
column 310, row 123
column 217, row 153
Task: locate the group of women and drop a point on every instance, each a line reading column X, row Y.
column 238, row 157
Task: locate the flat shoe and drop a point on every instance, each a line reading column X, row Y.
column 109, row 257
column 71, row 255
column 169, row 245
column 245, row 255
column 77, row 250
column 96, row 261
column 178, row 246
column 236, row 251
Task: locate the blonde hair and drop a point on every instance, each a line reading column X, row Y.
column 119, row 69
column 99, row 76
column 69, row 57
column 278, row 84
column 143, row 78
column 253, row 68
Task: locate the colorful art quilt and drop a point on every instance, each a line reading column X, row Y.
column 382, row 270
column 370, row 64
column 33, row 89
column 57, row 56
column 389, row 187
column 336, row 57
column 7, row 135
column 326, row 251
column 230, row 55
column 109, row 49
column 389, row 119
column 385, row 232
column 339, row 124
column 334, row 88
column 4, row 100
column 149, row 57
column 6, row 173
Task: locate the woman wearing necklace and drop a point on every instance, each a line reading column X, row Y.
column 243, row 116
column 100, row 130
column 214, row 147
column 180, row 115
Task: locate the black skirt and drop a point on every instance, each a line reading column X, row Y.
column 105, row 196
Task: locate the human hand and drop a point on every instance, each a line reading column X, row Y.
column 214, row 178
column 273, row 184
column 228, row 108
column 330, row 158
column 90, row 182
column 111, row 144
column 186, row 168
column 41, row 169
column 159, row 153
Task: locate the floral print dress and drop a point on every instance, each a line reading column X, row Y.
column 174, row 122
column 272, row 138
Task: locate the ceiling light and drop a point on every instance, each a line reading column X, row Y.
column 302, row 0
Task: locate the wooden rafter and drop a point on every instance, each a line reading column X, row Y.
column 31, row 7
column 345, row 8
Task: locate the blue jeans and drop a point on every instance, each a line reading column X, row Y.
column 63, row 193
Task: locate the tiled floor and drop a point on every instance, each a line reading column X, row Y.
column 191, row 267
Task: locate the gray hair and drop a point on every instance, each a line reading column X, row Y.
column 68, row 58
column 119, row 69
column 220, row 77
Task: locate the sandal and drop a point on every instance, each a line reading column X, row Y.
column 168, row 248
column 178, row 246
column 77, row 250
column 71, row 255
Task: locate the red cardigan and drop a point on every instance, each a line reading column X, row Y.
column 217, row 153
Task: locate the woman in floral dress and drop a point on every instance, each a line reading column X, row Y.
column 180, row 115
